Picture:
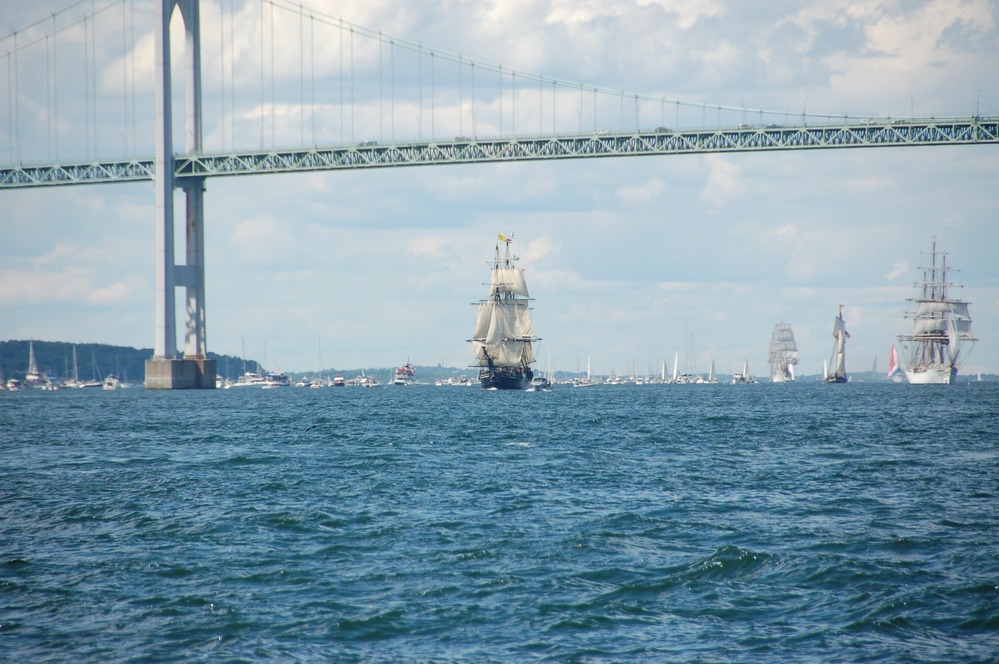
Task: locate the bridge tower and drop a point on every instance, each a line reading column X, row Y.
column 167, row 371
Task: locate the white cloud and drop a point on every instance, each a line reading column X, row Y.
column 646, row 192
column 898, row 269
column 725, row 181
column 258, row 240
column 116, row 293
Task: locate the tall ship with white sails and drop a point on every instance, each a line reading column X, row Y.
column 941, row 327
column 504, row 332
column 836, row 368
column 783, row 353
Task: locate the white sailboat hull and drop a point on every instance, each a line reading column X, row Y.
column 933, row 374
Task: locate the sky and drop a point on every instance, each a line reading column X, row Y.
column 629, row 260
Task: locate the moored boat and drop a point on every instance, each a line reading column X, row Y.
column 248, row 379
column 33, row 377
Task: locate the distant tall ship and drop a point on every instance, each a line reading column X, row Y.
column 503, row 329
column 837, row 365
column 941, row 327
column 783, row 353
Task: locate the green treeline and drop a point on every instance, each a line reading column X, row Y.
column 94, row 361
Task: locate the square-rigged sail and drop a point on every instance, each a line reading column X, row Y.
column 504, row 332
column 941, row 326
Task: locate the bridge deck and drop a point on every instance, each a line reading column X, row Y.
column 951, row 131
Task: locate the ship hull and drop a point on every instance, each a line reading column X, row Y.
column 934, row 374
column 514, row 378
column 835, row 379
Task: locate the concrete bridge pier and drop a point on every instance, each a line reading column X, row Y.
column 166, row 370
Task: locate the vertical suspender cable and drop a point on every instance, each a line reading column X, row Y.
column 513, row 95
column 541, row 105
column 48, row 100
column 301, row 73
column 55, row 86
column 433, row 116
column 93, row 68
column 86, row 82
column 222, row 68
column 312, row 78
column 341, row 83
column 351, row 84
column 10, row 108
column 131, row 61
column 17, row 104
column 419, row 110
column 381, row 113
column 392, row 89
column 273, row 144
column 500, row 77
column 261, row 127
column 232, row 73
column 124, row 75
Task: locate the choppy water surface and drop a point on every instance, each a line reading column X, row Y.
column 761, row 522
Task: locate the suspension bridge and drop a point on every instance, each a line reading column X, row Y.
column 294, row 89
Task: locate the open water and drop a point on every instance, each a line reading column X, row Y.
column 745, row 523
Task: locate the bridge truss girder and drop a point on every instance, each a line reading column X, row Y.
column 897, row 133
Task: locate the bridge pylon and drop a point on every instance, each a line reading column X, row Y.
column 167, row 370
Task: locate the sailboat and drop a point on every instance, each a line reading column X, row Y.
column 895, row 373
column 711, row 374
column 73, row 382
column 836, row 373
column 503, row 329
column 783, row 353
column 941, row 327
column 33, row 376
column 586, row 381
column 743, row 376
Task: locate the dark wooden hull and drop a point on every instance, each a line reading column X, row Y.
column 506, row 378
